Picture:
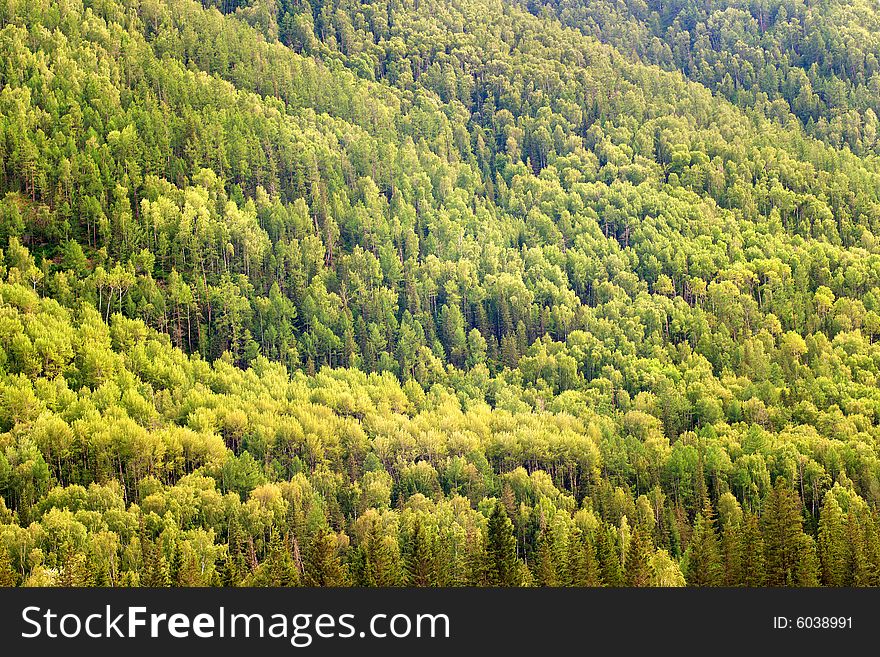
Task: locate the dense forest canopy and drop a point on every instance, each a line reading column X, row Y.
column 439, row 293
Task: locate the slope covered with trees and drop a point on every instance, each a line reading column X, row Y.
column 427, row 293
column 816, row 59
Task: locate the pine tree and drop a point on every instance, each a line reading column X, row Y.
column 703, row 556
column 279, row 568
column 323, row 566
column 381, row 559
column 832, row 546
column 582, row 564
column 789, row 553
column 637, row 568
column 502, row 563
column 544, row 570
column 608, row 555
column 751, row 553
column 420, row 564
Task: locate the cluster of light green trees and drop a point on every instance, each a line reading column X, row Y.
column 434, row 293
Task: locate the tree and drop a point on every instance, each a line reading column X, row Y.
column 789, row 553
column 703, row 557
column 637, row 570
column 380, row 559
column 7, row 574
column 833, row 547
column 323, row 566
column 419, row 561
column 502, row 563
column 665, row 571
column 545, row 569
column 751, row 553
column 582, row 566
column 278, row 568
column 608, row 554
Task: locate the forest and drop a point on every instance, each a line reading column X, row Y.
column 439, row 293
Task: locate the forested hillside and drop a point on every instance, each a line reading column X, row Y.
column 816, row 59
column 439, row 293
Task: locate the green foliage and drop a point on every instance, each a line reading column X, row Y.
column 439, row 293
column 502, row 562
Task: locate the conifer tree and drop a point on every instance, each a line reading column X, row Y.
column 855, row 567
column 381, row 559
column 476, row 560
column 545, row 568
column 788, row 552
column 608, row 555
column 751, row 553
column 502, row 568
column 420, row 563
column 227, row 572
column 872, row 547
column 832, row 544
column 279, row 568
column 703, row 556
column 637, row 567
column 323, row 566
column 582, row 565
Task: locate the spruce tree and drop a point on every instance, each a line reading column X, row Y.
column 872, row 547
column 789, row 553
column 853, row 565
column 545, row 568
column 833, row 547
column 637, row 568
column 502, row 568
column 420, row 563
column 476, row 560
column 175, row 568
column 608, row 554
column 279, row 568
column 703, row 556
column 731, row 537
column 323, row 566
column 381, row 559
column 582, row 568
column 751, row 553
column 227, row 572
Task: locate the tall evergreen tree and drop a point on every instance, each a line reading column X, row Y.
column 546, row 568
column 703, row 556
column 323, row 567
column 381, row 559
column 420, row 562
column 608, row 555
column 833, row 547
column 751, row 553
column 637, row 567
column 503, row 566
column 582, row 566
column 789, row 554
